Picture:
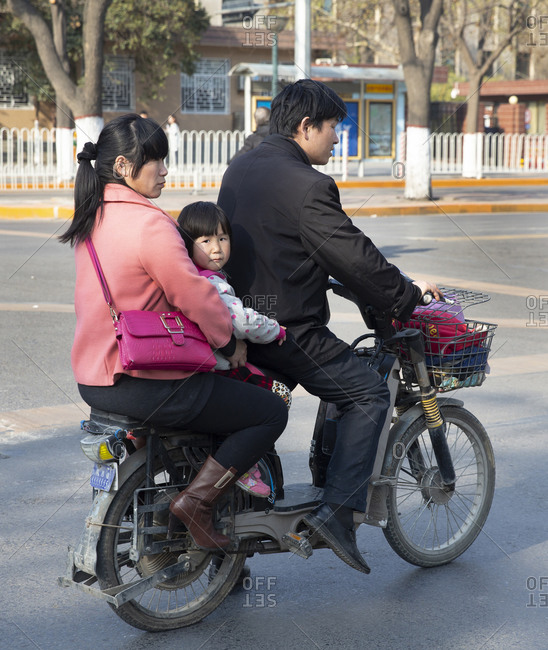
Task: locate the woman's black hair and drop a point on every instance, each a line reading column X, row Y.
column 201, row 219
column 136, row 138
column 304, row 98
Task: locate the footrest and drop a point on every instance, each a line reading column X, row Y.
column 299, row 496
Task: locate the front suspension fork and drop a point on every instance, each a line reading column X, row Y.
column 434, row 419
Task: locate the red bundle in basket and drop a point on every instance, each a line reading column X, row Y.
column 445, row 330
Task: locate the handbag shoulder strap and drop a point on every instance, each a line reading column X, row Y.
column 102, row 280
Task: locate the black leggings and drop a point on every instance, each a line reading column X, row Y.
column 252, row 418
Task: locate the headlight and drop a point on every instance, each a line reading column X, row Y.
column 102, row 449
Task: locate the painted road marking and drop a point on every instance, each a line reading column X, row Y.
column 25, row 420
column 336, row 317
column 32, row 306
column 19, row 233
column 22, row 421
column 482, row 237
column 510, row 323
column 481, row 285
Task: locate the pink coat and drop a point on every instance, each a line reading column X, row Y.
column 146, row 266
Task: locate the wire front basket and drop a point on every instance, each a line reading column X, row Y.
column 456, row 348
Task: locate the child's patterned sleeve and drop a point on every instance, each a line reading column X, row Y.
column 247, row 323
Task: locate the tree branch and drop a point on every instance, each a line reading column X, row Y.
column 367, row 40
column 408, row 56
column 33, row 21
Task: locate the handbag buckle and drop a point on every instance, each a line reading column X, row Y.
column 175, row 330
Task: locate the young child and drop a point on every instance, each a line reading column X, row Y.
column 206, row 232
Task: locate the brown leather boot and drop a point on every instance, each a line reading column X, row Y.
column 194, row 506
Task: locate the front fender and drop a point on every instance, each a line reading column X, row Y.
column 376, row 512
column 406, row 420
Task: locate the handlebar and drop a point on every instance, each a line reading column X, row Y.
column 381, row 322
column 428, row 297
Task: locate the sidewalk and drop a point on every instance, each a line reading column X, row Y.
column 369, row 196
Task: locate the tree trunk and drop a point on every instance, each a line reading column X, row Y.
column 89, row 121
column 417, row 59
column 84, row 100
column 64, row 121
column 88, row 128
column 418, row 176
column 472, row 147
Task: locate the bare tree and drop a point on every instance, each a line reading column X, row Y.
column 418, row 39
column 83, row 99
column 366, row 29
column 482, row 30
column 170, row 30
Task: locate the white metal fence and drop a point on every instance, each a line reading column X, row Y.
column 28, row 159
column 498, row 153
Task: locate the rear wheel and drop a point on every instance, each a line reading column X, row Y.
column 177, row 602
column 428, row 524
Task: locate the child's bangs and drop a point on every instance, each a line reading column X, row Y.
column 210, row 222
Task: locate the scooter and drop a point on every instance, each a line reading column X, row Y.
column 430, row 491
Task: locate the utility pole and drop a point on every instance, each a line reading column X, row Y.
column 302, row 38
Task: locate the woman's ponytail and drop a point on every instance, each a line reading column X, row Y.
column 87, row 197
column 89, row 152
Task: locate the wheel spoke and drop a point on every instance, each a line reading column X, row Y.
column 179, row 601
column 428, row 524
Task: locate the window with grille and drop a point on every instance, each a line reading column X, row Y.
column 118, row 84
column 13, row 93
column 207, row 90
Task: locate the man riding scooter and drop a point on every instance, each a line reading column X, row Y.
column 290, row 234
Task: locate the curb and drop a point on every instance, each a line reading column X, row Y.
column 444, row 208
column 445, row 182
column 30, row 212
column 420, row 208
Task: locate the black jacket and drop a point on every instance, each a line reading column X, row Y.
column 253, row 140
column 289, row 235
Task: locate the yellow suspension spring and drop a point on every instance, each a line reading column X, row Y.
column 431, row 412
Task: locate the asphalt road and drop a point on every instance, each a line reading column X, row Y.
column 494, row 596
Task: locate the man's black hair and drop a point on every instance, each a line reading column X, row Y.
column 304, row 98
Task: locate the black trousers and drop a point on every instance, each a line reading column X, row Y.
column 251, row 418
column 362, row 399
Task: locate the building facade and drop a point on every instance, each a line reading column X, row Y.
column 233, row 76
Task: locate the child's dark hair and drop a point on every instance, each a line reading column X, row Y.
column 304, row 98
column 201, row 219
column 138, row 139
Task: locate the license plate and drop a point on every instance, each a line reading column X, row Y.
column 103, row 476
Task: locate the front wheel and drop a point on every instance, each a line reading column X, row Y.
column 428, row 524
column 179, row 601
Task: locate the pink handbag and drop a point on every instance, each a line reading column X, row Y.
column 150, row 340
